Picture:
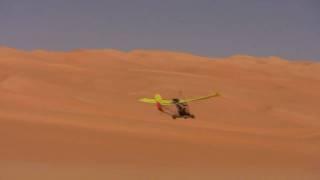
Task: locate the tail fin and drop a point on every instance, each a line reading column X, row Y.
column 157, row 97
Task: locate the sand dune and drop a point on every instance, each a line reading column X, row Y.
column 75, row 115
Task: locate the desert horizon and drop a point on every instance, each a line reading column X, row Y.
column 167, row 51
column 76, row 115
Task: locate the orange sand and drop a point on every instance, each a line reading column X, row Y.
column 75, row 115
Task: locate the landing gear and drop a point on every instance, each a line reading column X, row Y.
column 186, row 116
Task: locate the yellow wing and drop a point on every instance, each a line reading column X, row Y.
column 164, row 102
column 148, row 100
column 199, row 98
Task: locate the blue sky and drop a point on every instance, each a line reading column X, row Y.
column 285, row 28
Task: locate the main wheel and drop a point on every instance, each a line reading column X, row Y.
column 192, row 116
column 174, row 116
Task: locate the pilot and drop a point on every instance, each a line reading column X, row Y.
column 182, row 108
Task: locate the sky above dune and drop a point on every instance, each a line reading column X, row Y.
column 286, row 28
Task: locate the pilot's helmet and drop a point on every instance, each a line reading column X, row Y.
column 175, row 100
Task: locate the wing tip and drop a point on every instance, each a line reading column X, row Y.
column 142, row 99
column 216, row 94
